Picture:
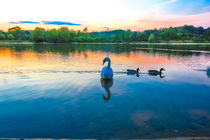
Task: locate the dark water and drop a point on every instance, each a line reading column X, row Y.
column 55, row 91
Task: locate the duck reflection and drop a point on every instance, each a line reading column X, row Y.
column 156, row 72
column 208, row 72
column 106, row 84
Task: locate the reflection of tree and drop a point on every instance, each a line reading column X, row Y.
column 66, row 48
column 106, row 84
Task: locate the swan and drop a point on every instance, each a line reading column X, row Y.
column 107, row 72
column 156, row 72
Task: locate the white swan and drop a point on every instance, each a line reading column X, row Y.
column 107, row 72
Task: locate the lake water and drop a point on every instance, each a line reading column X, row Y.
column 55, row 91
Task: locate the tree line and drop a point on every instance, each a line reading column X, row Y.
column 63, row 34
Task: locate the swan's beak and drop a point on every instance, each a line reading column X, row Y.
column 103, row 62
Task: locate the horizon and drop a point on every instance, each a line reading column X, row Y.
column 106, row 15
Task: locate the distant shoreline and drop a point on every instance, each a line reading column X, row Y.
column 121, row 43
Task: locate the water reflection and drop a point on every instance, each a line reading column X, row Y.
column 107, row 84
column 208, row 72
column 49, row 87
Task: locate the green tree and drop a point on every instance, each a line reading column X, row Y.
column 52, row 36
column 64, row 34
column 168, row 34
column 2, row 36
column 17, row 32
column 151, row 38
column 142, row 36
column 207, row 34
column 126, row 36
column 10, row 37
column 38, row 34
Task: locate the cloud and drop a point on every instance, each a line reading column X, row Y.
column 168, row 2
column 151, row 23
column 60, row 23
column 24, row 22
column 107, row 28
column 46, row 22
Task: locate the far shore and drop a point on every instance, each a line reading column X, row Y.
column 131, row 43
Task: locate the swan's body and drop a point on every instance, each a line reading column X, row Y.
column 155, row 72
column 107, row 72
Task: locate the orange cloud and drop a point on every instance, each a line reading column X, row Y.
column 151, row 23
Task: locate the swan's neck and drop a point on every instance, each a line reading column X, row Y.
column 109, row 64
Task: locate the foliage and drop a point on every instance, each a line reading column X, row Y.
column 151, row 38
column 63, row 34
column 17, row 32
column 38, row 35
column 2, row 36
column 10, row 37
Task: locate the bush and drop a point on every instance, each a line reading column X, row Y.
column 2, row 36
column 10, row 37
column 151, row 38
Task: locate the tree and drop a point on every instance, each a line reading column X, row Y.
column 10, row 37
column 14, row 29
column 168, row 34
column 52, row 36
column 207, row 34
column 151, row 38
column 64, row 34
column 2, row 36
column 17, row 32
column 38, row 34
column 126, row 36
column 142, row 36
column 85, row 30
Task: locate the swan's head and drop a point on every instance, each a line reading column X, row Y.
column 106, row 59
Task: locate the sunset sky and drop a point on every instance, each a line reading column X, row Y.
column 100, row 15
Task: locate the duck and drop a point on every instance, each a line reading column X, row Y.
column 130, row 71
column 156, row 72
column 107, row 72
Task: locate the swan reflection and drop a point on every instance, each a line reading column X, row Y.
column 106, row 84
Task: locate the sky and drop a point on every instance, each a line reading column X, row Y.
column 99, row 15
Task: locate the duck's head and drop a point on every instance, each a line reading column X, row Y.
column 137, row 69
column 106, row 59
column 162, row 69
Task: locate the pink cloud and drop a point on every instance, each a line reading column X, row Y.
column 151, row 23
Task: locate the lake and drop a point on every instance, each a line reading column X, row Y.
column 55, row 91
